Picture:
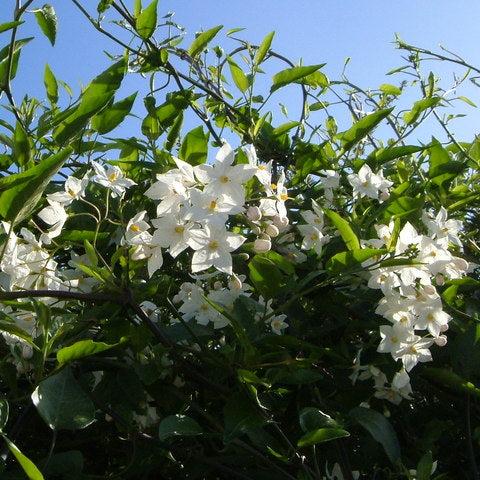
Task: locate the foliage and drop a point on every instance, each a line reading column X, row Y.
column 174, row 305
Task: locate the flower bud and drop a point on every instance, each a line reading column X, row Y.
column 177, row 298
column 280, row 222
column 441, row 341
column 244, row 256
column 27, row 352
column 261, row 245
column 108, row 418
column 439, row 279
column 254, row 214
column 384, row 196
column 444, row 328
column 234, row 283
column 256, row 230
column 218, row 285
column 272, row 231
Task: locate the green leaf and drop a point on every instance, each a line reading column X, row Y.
column 95, row 97
column 312, row 419
column 202, row 41
column 284, row 128
column 240, row 79
column 178, row 426
column 263, row 49
column 9, row 25
column 241, row 417
column 32, row 472
column 83, row 348
column 146, row 22
column 362, row 128
column 47, row 21
column 62, row 403
column 383, row 155
column 321, row 435
column 51, row 85
column 419, row 107
column 4, row 411
column 194, row 147
column 104, row 5
column 380, row 429
column 265, row 275
column 290, row 75
column 390, row 89
column 424, row 467
column 403, row 206
column 346, row 260
column 451, row 380
column 174, row 132
column 467, row 101
column 22, row 152
column 315, row 80
column 4, row 53
column 22, row 191
column 346, row 232
column 8, row 325
column 112, row 116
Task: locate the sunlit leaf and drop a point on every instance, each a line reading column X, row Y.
column 202, row 40
column 47, row 21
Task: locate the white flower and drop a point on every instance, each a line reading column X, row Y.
column 212, row 207
column 56, row 216
column 440, row 227
column 212, row 246
column 136, row 232
column 263, row 171
column 172, row 232
column 112, row 178
column 223, row 178
column 330, row 179
column 74, row 189
column 417, row 350
column 278, row 323
column 393, row 338
column 275, row 205
column 432, row 319
column 367, row 183
column 314, row 218
column 170, row 189
column 312, row 238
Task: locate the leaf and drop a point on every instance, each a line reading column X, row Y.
column 202, row 41
column 451, row 380
column 240, row 79
column 403, row 206
column 241, row 417
column 419, row 107
column 13, row 329
column 32, row 472
column 95, row 97
column 291, row 75
column 51, row 85
column 22, row 152
column 146, row 22
column 390, row 89
column 194, row 147
column 346, row 232
column 104, row 5
column 315, row 80
column 284, row 128
column 47, row 21
column 4, row 54
column 322, row 435
column 4, row 411
column 263, row 49
column 83, row 348
column 178, row 426
column 424, row 467
column 112, row 116
column 362, row 128
column 9, row 25
column 22, row 191
column 380, row 429
column 312, row 419
column 265, row 275
column 174, row 132
column 62, row 403
column 467, row 101
column 383, row 155
column 345, row 260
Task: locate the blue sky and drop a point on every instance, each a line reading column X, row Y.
column 320, row 31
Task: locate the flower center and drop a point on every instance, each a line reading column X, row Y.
column 213, row 245
column 224, row 179
column 135, row 228
column 273, row 186
column 179, row 229
column 113, row 176
column 313, row 236
column 284, row 197
column 71, row 192
column 262, row 167
column 213, row 205
column 430, row 317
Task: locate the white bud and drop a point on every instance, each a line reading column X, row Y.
column 234, row 283
column 27, row 352
column 254, row 214
column 439, row 279
column 108, row 418
column 384, row 196
column 218, row 285
column 222, row 341
column 256, row 230
column 272, row 231
column 244, row 256
column 280, row 222
column 177, row 298
column 441, row 341
column 264, row 236
column 444, row 328
column 262, row 245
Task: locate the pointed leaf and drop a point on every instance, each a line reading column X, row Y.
column 194, row 147
column 8, row 25
column 62, row 403
column 30, row 469
column 322, row 435
column 112, row 116
column 291, row 75
column 202, row 41
column 47, row 20
column 22, row 191
column 51, row 85
column 346, row 232
column 83, row 348
column 146, row 22
column 240, row 79
column 263, row 49
column 178, row 426
column 419, row 107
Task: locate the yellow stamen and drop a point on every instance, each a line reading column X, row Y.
column 179, row 229
column 213, row 245
column 135, row 228
column 224, row 179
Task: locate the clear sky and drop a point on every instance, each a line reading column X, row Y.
column 319, row 31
